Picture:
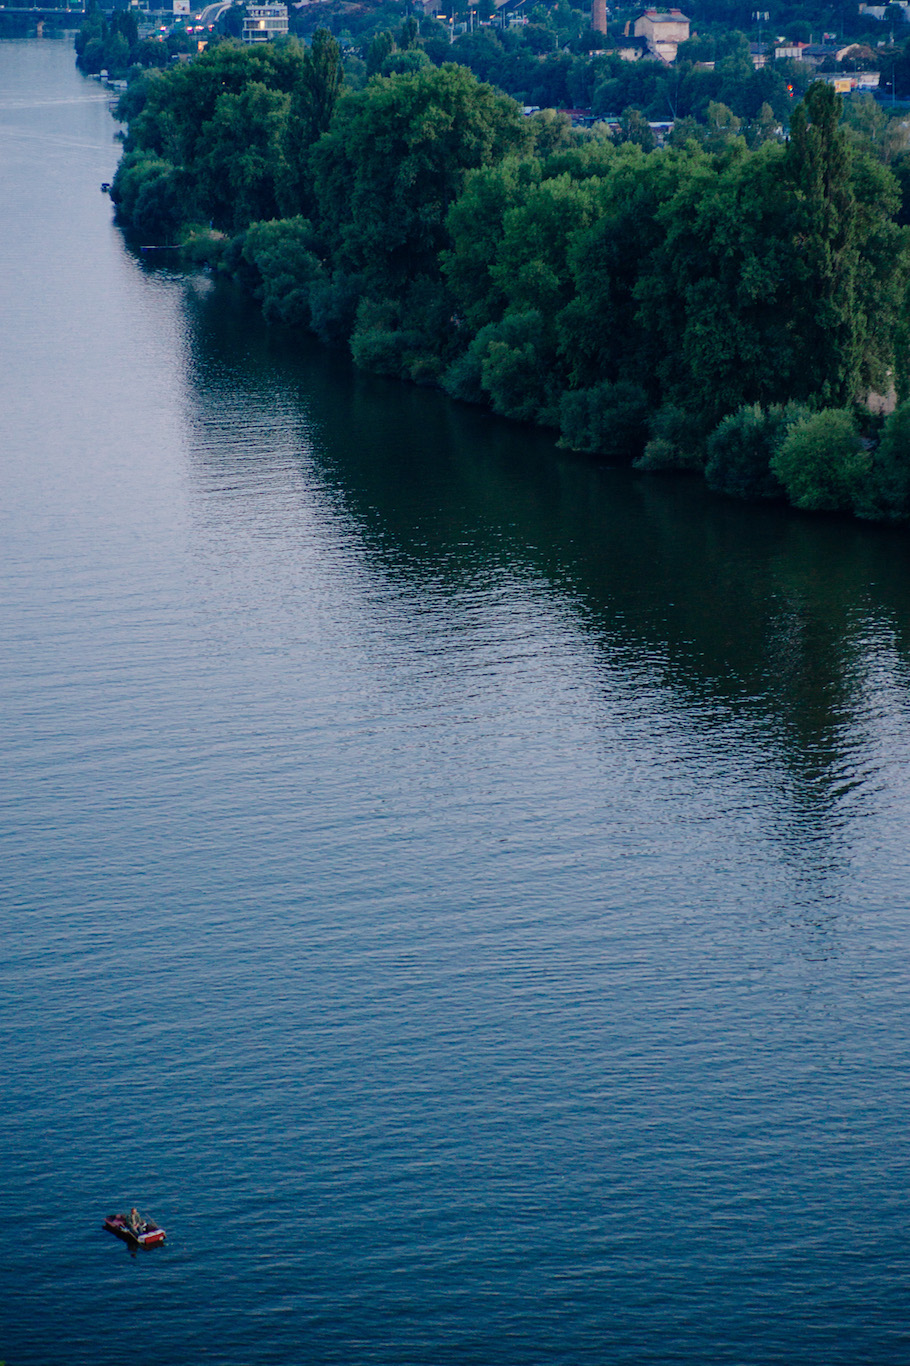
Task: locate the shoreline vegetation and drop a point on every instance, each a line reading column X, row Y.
column 716, row 305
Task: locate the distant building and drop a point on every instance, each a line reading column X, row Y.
column 264, row 22
column 599, row 16
column 846, row 81
column 816, row 53
column 878, row 11
column 632, row 51
column 663, row 31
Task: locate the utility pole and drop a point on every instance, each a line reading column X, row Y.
column 760, row 16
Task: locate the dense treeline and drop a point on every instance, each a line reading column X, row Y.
column 705, row 305
column 550, row 65
column 113, row 44
column 557, row 60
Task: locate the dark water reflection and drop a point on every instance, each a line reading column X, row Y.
column 797, row 626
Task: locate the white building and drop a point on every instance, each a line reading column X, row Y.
column 663, row 31
column 264, row 22
column 878, row 11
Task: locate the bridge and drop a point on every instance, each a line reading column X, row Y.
column 212, row 13
column 43, row 12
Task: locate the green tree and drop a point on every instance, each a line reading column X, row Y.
column 313, row 99
column 404, row 63
column 283, row 254
column 517, row 371
column 885, row 497
column 408, row 34
column 821, row 462
column 634, row 128
column 827, row 313
column 509, row 366
column 243, row 165
column 598, row 331
column 180, row 101
column 532, row 260
column 742, row 446
column 475, row 224
column 382, row 46
column 395, row 160
column 763, row 128
column 722, row 125
column 320, row 83
column 714, row 295
column 608, row 419
column 151, row 196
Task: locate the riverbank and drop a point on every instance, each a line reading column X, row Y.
column 720, row 311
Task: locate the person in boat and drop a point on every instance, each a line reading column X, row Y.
column 136, row 1222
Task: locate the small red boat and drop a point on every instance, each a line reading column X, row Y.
column 135, row 1229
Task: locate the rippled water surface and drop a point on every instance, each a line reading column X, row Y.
column 461, row 892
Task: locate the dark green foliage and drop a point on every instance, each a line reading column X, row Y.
column 182, row 100
column 634, row 128
column 464, row 377
column 287, row 266
column 319, row 86
column 150, row 53
column 552, row 131
column 200, row 246
column 840, row 228
column 532, row 262
column 380, row 342
column 407, row 34
column 242, row 167
column 885, row 496
column 382, row 47
column 818, row 165
column 313, row 101
column 509, row 366
column 741, row 447
column 715, row 301
column 404, row 63
column 113, row 44
column 901, row 171
column 516, row 371
column 677, row 443
column 475, row 225
column 669, row 307
column 607, row 419
column 588, row 155
column 238, row 124
column 333, row 306
column 821, row 463
column 151, row 196
column 411, row 337
column 599, row 331
column 395, row 160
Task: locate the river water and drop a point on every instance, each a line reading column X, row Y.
column 460, row 891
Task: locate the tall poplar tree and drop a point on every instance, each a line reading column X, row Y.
column 837, row 231
column 312, row 105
